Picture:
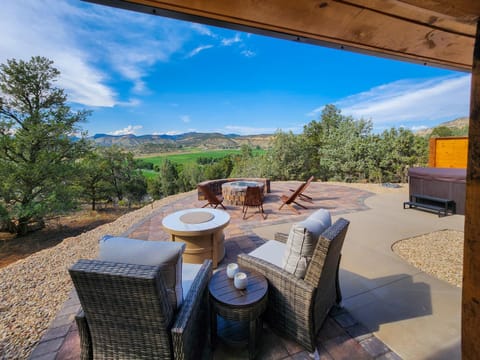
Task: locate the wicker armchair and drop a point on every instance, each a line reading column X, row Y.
column 298, row 307
column 126, row 313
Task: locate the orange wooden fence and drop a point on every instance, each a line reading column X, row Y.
column 448, row 152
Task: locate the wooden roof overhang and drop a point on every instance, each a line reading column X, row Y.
column 443, row 33
column 432, row 32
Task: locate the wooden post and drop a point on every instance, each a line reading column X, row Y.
column 471, row 266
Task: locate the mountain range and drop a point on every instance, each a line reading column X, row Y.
column 457, row 124
column 158, row 143
column 154, row 143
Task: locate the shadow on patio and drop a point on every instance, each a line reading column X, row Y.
column 341, row 336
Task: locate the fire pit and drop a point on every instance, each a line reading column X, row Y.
column 234, row 192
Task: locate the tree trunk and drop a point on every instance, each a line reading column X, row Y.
column 24, row 226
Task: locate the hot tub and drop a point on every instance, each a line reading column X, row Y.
column 443, row 183
column 234, row 192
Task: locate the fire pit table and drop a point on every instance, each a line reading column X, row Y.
column 201, row 230
column 234, row 192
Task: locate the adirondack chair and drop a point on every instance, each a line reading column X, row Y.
column 212, row 199
column 302, row 195
column 289, row 200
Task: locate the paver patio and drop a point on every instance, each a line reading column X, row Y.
column 341, row 337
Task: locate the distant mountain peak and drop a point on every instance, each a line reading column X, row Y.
column 164, row 142
column 458, row 123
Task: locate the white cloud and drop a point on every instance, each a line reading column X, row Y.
column 31, row 28
column 185, row 118
column 230, row 41
column 129, row 42
column 418, row 127
column 130, row 129
column 129, row 103
column 248, row 53
column 203, row 30
column 89, row 44
column 248, row 130
column 197, row 50
column 407, row 101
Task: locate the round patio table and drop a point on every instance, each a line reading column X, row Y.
column 234, row 192
column 241, row 308
column 202, row 232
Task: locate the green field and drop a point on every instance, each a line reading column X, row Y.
column 191, row 157
column 149, row 174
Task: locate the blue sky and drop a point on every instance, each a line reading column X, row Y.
column 144, row 74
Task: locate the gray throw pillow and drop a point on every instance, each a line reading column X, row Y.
column 301, row 242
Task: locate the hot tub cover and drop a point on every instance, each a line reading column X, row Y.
column 441, row 174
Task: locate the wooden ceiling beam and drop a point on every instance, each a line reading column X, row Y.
column 455, row 8
column 343, row 24
column 410, row 13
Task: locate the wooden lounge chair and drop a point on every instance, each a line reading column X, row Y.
column 212, row 199
column 126, row 312
column 253, row 198
column 289, row 200
column 302, row 195
column 297, row 307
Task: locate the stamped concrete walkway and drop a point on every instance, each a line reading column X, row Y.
column 342, row 336
column 415, row 314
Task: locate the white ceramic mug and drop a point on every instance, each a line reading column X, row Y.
column 240, row 281
column 232, row 269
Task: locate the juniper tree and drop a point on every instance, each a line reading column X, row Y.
column 36, row 152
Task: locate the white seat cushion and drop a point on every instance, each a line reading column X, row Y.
column 189, row 272
column 302, row 240
column 272, row 251
column 167, row 254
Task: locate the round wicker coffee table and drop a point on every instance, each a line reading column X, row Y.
column 238, row 306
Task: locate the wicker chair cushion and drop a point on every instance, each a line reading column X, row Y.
column 164, row 253
column 189, row 272
column 302, row 240
column 272, row 251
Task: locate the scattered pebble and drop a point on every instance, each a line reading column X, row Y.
column 439, row 253
column 33, row 290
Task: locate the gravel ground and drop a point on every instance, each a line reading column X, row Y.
column 34, row 289
column 439, row 253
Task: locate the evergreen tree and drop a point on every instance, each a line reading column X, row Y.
column 36, row 152
column 92, row 176
column 123, row 175
column 166, row 183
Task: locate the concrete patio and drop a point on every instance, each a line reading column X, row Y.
column 413, row 313
column 390, row 310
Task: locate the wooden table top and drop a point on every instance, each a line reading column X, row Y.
column 174, row 225
column 222, row 289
